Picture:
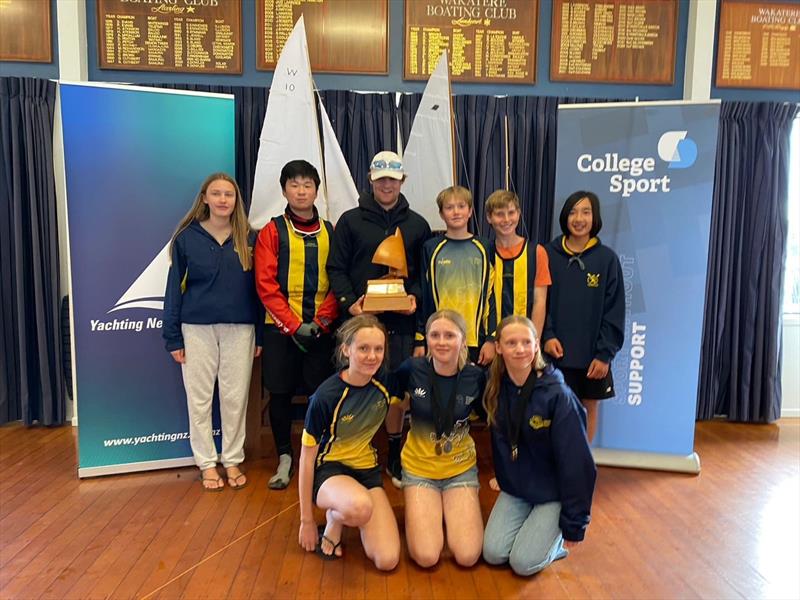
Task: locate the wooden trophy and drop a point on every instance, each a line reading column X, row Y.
column 388, row 293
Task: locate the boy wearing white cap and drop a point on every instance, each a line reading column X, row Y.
column 358, row 233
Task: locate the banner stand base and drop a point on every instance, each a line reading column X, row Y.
column 150, row 465
column 654, row 461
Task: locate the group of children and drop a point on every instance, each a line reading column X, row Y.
column 470, row 342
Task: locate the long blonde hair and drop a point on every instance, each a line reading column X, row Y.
column 239, row 225
column 347, row 333
column 456, row 319
column 498, row 366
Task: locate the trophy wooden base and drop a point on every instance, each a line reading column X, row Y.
column 386, row 295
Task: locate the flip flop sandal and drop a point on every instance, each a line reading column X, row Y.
column 318, row 549
column 235, row 480
column 217, row 480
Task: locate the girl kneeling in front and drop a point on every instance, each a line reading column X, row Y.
column 338, row 464
column 440, row 476
column 542, row 459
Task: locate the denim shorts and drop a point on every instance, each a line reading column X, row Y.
column 467, row 479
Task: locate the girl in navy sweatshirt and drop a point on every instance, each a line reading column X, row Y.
column 542, row 460
column 585, row 322
column 213, row 322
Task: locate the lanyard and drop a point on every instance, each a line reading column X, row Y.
column 443, row 419
column 514, row 424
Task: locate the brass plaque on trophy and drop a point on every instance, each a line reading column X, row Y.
column 388, row 293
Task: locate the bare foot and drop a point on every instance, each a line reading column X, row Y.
column 211, row 480
column 236, row 479
column 332, row 536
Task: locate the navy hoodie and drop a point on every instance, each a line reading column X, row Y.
column 585, row 303
column 357, row 234
column 217, row 289
column 554, row 462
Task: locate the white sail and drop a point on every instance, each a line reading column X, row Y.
column 428, row 156
column 290, row 129
column 148, row 289
column 339, row 185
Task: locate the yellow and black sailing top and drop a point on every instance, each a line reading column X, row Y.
column 343, row 418
column 291, row 278
column 517, row 272
column 459, row 276
column 456, row 447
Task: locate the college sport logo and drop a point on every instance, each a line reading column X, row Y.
column 677, row 149
column 148, row 289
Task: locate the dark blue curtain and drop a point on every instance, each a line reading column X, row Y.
column 740, row 371
column 31, row 371
column 364, row 124
column 532, row 156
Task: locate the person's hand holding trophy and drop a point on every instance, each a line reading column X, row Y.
column 388, row 293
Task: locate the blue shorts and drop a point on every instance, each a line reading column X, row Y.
column 467, row 479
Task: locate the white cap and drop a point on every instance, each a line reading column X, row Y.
column 386, row 164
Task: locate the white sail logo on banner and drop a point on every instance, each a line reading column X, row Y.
column 428, row 156
column 148, row 289
column 290, row 132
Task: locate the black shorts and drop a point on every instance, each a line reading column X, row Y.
column 285, row 369
column 589, row 389
column 369, row 478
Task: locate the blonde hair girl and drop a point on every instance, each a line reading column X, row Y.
column 541, row 457
column 213, row 322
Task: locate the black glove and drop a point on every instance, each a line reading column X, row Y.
column 306, row 335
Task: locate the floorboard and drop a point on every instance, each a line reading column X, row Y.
column 731, row 532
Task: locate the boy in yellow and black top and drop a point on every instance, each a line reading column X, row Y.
column 521, row 267
column 342, row 419
column 459, row 276
column 292, row 283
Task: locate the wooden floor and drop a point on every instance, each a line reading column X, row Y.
column 732, row 532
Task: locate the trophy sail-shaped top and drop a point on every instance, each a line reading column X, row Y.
column 388, row 292
column 391, row 253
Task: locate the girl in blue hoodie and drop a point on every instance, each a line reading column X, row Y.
column 542, row 460
column 585, row 322
column 213, row 322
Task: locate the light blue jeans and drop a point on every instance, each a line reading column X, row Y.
column 524, row 535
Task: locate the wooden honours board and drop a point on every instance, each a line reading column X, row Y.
column 759, row 45
column 25, row 31
column 344, row 36
column 625, row 41
column 189, row 36
column 486, row 40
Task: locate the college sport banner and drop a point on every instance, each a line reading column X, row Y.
column 652, row 166
column 134, row 161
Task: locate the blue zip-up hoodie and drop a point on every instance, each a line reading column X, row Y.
column 554, row 462
column 585, row 303
column 217, row 289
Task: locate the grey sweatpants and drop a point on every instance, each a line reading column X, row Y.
column 222, row 351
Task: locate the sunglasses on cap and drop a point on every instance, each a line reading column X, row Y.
column 392, row 165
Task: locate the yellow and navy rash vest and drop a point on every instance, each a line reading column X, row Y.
column 514, row 282
column 459, row 276
column 419, row 456
column 343, row 418
column 291, row 277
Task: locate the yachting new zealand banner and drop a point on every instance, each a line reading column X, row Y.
column 652, row 166
column 135, row 159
